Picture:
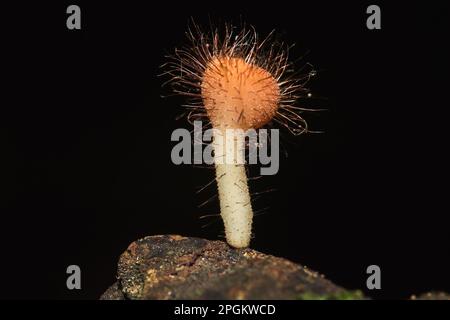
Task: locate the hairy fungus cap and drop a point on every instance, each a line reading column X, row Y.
column 237, row 94
column 237, row 80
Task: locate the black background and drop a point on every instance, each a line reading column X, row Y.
column 86, row 139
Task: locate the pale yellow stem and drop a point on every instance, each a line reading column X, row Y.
column 235, row 203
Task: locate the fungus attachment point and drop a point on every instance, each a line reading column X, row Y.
column 236, row 95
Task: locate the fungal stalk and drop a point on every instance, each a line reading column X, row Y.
column 237, row 83
column 235, row 203
column 236, row 95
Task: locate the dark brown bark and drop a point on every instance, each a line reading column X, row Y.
column 175, row 267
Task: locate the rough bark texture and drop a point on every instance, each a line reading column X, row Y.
column 435, row 295
column 175, row 267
